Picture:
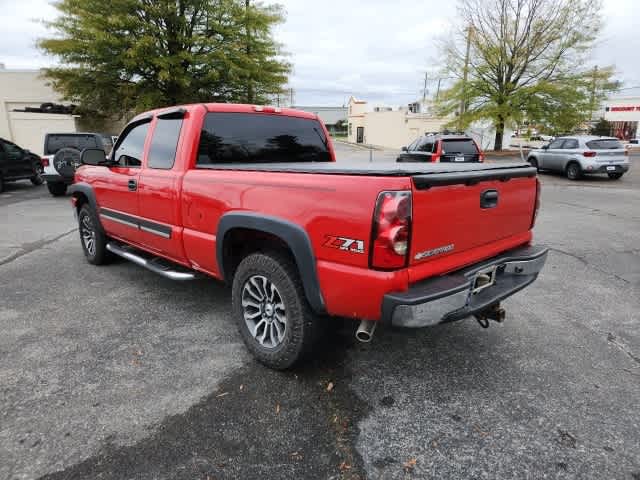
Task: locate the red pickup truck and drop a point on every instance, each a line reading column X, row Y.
column 253, row 196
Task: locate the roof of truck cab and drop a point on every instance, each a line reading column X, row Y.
column 229, row 108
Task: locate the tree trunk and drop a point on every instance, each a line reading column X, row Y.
column 497, row 146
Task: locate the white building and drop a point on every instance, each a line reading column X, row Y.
column 386, row 127
column 26, row 88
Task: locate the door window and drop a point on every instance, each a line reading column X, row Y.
column 570, row 144
column 130, row 148
column 557, row 143
column 164, row 143
column 414, row 144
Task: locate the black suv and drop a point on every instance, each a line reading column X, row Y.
column 62, row 156
column 441, row 147
column 18, row 164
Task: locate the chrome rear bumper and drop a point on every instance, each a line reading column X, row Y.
column 459, row 294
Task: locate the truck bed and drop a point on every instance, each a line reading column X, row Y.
column 424, row 175
column 377, row 169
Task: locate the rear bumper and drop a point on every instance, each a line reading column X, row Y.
column 605, row 168
column 449, row 297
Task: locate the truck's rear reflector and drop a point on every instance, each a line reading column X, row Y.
column 537, row 205
column 391, row 230
column 44, row 161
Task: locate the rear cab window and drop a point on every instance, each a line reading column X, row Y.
column 164, row 143
column 604, row 144
column 260, row 138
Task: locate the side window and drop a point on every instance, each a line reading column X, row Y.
column 557, row 143
column 414, row 144
column 129, row 151
column 570, row 144
column 162, row 153
column 426, row 146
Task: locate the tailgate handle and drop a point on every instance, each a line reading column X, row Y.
column 489, row 199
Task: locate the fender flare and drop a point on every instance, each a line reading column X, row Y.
column 87, row 191
column 294, row 236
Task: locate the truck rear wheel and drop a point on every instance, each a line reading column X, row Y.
column 271, row 310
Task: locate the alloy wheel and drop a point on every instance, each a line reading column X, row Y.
column 264, row 311
column 88, row 235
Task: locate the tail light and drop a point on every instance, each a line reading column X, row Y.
column 391, row 231
column 435, row 157
column 626, row 152
column 481, row 157
column 537, row 205
column 44, row 162
column 589, row 154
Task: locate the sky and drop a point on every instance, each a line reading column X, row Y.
column 377, row 50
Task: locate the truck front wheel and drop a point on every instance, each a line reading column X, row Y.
column 92, row 237
column 271, row 310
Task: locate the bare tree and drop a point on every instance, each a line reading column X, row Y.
column 516, row 59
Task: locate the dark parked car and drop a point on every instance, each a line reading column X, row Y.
column 62, row 156
column 442, row 148
column 18, row 164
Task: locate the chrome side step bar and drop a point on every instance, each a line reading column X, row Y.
column 150, row 263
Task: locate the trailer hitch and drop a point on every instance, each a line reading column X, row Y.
column 495, row 312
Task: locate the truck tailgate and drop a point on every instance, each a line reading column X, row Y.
column 454, row 214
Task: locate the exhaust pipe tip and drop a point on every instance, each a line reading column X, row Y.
column 364, row 333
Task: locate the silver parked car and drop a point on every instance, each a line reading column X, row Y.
column 581, row 154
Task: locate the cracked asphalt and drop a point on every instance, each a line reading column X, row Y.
column 112, row 372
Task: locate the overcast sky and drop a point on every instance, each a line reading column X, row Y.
column 378, row 50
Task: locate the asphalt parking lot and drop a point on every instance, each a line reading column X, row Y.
column 113, row 372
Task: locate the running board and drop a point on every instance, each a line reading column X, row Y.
column 155, row 264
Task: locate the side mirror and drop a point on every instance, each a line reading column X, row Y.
column 545, row 147
column 405, row 149
column 93, row 156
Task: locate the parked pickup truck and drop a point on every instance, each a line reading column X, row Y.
column 253, row 196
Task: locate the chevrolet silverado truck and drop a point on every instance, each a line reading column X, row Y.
column 253, row 196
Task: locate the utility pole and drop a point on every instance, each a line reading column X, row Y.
column 438, row 89
column 465, row 75
column 592, row 102
column 291, row 97
column 424, row 91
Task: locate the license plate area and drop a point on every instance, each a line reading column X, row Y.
column 459, row 159
column 484, row 279
column 611, row 168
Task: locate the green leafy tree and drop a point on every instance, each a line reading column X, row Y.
column 518, row 60
column 602, row 128
column 120, row 57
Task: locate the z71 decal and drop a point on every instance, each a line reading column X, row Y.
column 343, row 243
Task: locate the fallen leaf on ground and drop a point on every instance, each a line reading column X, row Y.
column 410, row 464
column 241, row 387
column 344, row 466
column 223, row 394
column 330, row 386
column 277, row 408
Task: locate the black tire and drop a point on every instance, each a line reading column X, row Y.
column 92, row 237
column 615, row 176
column 57, row 189
column 574, row 172
column 302, row 326
column 37, row 178
column 533, row 161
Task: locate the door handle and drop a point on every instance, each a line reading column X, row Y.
column 133, row 185
column 489, row 199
